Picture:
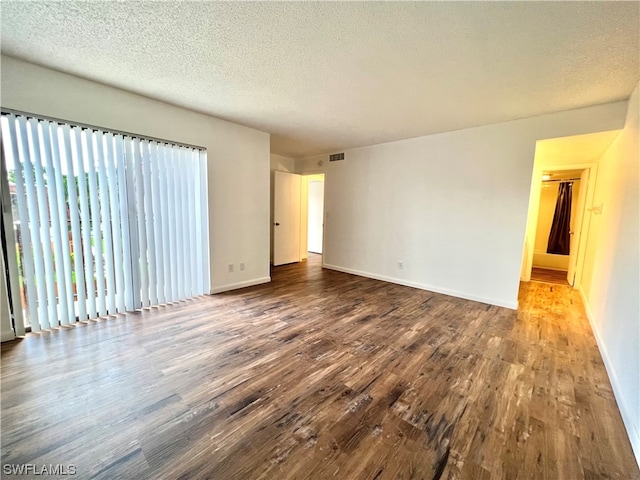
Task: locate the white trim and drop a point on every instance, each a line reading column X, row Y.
column 235, row 286
column 422, row 286
column 625, row 411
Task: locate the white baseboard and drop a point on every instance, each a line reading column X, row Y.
column 235, row 286
column 625, row 412
column 422, row 286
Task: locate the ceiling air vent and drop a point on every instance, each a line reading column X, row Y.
column 336, row 156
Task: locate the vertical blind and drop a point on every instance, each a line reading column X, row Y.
column 103, row 222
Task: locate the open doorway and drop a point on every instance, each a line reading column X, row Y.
column 315, row 210
column 559, row 225
column 555, row 158
column 564, row 159
column 540, row 263
column 312, row 215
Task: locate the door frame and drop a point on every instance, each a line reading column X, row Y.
column 574, row 253
column 534, row 207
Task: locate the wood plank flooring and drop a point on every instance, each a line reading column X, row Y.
column 548, row 276
column 320, row 375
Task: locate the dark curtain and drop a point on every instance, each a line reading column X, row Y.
column 560, row 238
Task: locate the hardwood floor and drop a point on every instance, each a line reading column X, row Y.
column 549, row 276
column 320, row 375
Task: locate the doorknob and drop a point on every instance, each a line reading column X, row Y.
column 276, row 224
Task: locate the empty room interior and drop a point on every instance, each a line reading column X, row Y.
column 313, row 240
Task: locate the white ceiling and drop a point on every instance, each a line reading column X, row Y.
column 326, row 76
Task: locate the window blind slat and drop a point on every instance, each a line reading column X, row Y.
column 114, row 211
column 96, row 220
column 67, row 158
column 123, row 147
column 142, row 231
column 105, row 215
column 53, row 257
column 165, row 159
column 56, row 297
column 184, row 201
column 149, row 216
column 184, row 217
column 44, row 263
column 175, row 221
column 78, row 151
column 60, row 229
column 204, row 221
column 172, row 225
column 191, row 173
column 156, row 223
column 197, row 234
column 133, row 146
column 179, row 217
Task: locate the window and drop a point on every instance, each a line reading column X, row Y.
column 103, row 222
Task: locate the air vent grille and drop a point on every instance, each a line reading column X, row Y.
column 336, row 156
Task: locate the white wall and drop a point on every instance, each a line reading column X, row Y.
column 452, row 207
column 238, row 156
column 611, row 279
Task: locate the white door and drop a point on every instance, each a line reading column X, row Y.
column 286, row 218
column 576, row 227
column 315, row 209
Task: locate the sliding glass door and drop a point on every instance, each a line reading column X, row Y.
column 102, row 222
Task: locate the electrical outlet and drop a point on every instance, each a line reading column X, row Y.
column 231, row 268
column 401, row 265
column 242, row 267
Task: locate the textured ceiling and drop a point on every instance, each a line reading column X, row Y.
column 326, row 76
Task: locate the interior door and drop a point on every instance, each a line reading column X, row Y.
column 576, row 227
column 286, row 218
